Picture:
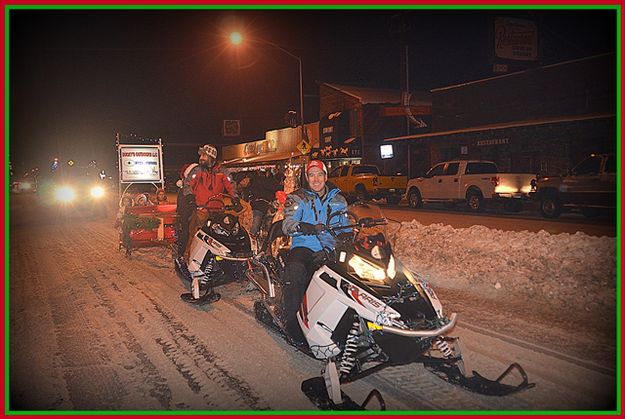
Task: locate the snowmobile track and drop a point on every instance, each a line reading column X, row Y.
column 159, row 389
column 206, row 361
column 199, row 367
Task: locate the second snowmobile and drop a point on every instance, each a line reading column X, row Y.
column 219, row 252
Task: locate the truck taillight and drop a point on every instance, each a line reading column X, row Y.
column 494, row 180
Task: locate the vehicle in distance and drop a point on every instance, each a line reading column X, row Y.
column 473, row 182
column 364, row 181
column 590, row 186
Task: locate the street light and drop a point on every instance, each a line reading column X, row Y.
column 236, row 38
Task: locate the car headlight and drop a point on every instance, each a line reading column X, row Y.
column 97, row 192
column 367, row 270
column 65, row 194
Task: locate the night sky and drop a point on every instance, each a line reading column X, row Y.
column 79, row 76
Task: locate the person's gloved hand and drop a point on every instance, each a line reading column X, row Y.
column 236, row 205
column 310, row 229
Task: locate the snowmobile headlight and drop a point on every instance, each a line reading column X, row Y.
column 64, row 194
column 96, row 192
column 367, row 270
column 391, row 270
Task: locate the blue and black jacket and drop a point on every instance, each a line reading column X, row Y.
column 305, row 206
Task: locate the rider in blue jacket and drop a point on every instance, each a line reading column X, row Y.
column 306, row 213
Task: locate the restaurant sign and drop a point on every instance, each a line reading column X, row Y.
column 516, row 39
column 493, row 141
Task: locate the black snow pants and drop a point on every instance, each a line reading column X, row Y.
column 300, row 265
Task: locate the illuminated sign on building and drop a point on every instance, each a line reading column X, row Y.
column 516, row 39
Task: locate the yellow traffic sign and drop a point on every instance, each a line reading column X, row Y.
column 304, row 147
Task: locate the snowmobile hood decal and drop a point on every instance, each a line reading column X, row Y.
column 216, row 247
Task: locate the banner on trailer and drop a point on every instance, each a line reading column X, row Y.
column 140, row 163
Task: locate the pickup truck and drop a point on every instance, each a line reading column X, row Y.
column 473, row 182
column 589, row 186
column 363, row 181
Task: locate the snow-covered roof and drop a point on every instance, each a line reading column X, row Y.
column 516, row 73
column 368, row 95
column 502, row 125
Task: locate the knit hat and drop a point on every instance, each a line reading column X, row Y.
column 208, row 149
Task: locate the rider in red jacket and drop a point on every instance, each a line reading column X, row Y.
column 207, row 183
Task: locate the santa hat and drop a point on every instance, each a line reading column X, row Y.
column 184, row 172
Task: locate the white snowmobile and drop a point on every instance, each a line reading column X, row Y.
column 363, row 311
column 219, row 252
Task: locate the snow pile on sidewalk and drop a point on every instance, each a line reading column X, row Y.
column 567, row 269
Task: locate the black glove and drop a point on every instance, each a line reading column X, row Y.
column 236, row 205
column 310, row 229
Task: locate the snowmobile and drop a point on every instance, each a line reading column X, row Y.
column 363, row 310
column 219, row 252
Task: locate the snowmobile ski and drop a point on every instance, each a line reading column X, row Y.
column 315, row 389
column 207, row 298
column 477, row 383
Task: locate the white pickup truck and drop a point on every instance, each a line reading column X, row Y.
column 473, row 182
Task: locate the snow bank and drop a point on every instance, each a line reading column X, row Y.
column 567, row 269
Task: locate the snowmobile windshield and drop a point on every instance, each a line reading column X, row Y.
column 370, row 217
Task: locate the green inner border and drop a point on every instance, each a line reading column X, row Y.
column 617, row 8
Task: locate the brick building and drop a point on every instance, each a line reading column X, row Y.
column 541, row 120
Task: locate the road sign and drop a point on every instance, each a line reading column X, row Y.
column 232, row 127
column 304, row 147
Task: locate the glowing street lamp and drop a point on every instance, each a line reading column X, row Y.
column 236, row 38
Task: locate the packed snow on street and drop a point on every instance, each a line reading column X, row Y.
column 91, row 329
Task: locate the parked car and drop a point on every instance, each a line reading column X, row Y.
column 589, row 186
column 363, row 181
column 473, row 182
column 25, row 184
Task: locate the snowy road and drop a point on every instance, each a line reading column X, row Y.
column 91, row 329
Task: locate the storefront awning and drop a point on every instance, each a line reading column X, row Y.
column 265, row 158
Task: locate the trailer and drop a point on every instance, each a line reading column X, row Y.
column 140, row 161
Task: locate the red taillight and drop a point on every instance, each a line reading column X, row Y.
column 495, row 180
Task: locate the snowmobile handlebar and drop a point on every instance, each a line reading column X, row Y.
column 218, row 198
column 362, row 223
column 423, row 333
